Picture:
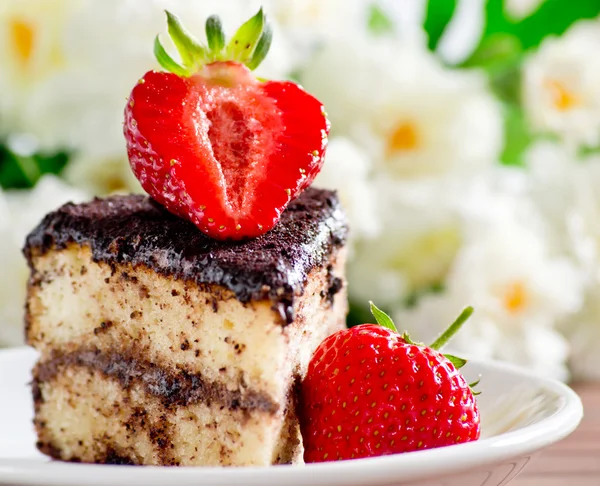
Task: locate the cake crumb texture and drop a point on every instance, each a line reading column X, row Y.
column 139, row 368
column 159, row 346
column 135, row 229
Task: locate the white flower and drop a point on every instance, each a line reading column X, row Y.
column 519, row 289
column 20, row 211
column 511, row 278
column 101, row 175
column 551, row 170
column 566, row 191
column 316, row 18
column 308, row 23
column 540, row 349
column 560, row 85
column 31, row 51
column 424, row 224
column 419, row 239
column 346, row 169
column 395, row 98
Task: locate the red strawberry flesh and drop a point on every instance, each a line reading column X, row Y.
column 222, row 149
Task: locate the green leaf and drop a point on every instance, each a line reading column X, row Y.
column 51, row 163
column 378, row 21
column 193, row 55
column 553, row 17
column 262, row 48
column 437, row 17
column 445, row 337
column 518, row 136
column 475, row 383
column 456, row 361
column 167, row 61
column 585, row 152
column 242, row 45
column 496, row 53
column 412, row 299
column 23, row 172
column 506, row 84
column 501, row 55
column 249, row 45
column 408, row 340
column 382, row 318
column 214, row 34
column 496, row 20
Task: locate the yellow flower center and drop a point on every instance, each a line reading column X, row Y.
column 515, row 297
column 313, row 9
column 22, row 35
column 403, row 138
column 562, row 98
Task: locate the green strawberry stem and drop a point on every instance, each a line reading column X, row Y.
column 249, row 45
column 386, row 321
column 449, row 333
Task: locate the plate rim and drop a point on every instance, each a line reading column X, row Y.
column 376, row 470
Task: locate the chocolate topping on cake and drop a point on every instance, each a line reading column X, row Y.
column 135, row 229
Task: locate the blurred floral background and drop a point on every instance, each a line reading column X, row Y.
column 465, row 137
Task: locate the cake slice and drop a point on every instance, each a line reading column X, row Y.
column 161, row 346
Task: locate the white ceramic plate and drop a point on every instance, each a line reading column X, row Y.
column 521, row 414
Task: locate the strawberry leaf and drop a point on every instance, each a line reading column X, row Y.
column 475, row 383
column 408, row 340
column 214, row 34
column 382, row 318
column 193, row 55
column 262, row 48
column 243, row 44
column 249, row 45
column 456, row 361
column 167, row 61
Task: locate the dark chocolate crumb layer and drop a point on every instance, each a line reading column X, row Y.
column 116, row 459
column 173, row 388
column 135, row 229
column 105, row 457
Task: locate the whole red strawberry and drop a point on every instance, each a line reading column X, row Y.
column 215, row 145
column 370, row 391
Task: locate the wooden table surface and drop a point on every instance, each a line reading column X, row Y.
column 576, row 460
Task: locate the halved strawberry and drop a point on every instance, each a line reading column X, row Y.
column 214, row 144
